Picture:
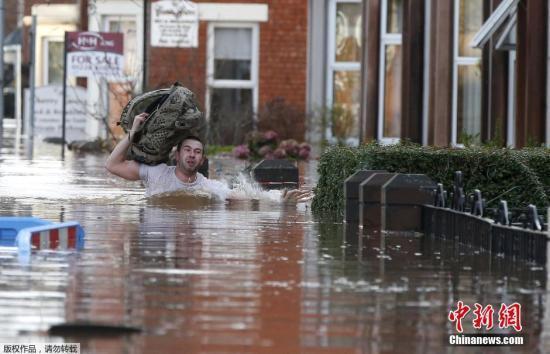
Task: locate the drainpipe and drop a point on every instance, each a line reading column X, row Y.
column 1, row 72
column 145, row 32
column 32, row 68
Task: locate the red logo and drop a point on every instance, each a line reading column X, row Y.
column 508, row 316
column 458, row 315
column 95, row 41
column 483, row 316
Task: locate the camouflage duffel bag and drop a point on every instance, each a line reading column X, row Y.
column 173, row 115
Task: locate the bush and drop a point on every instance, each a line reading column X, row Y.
column 284, row 118
column 538, row 159
column 229, row 128
column 266, row 145
column 519, row 176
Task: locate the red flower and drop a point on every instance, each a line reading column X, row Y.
column 241, row 152
column 279, row 153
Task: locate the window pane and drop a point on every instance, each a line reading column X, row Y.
column 232, row 53
column 55, row 62
column 345, row 112
column 231, row 113
column 395, row 16
column 9, row 88
column 392, row 92
column 233, row 43
column 469, row 103
column 226, row 69
column 469, row 22
column 348, row 32
column 128, row 29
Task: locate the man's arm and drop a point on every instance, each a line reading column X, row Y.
column 117, row 163
column 296, row 196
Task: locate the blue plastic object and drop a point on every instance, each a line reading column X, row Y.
column 27, row 233
column 10, row 227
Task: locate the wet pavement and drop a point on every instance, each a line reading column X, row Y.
column 252, row 276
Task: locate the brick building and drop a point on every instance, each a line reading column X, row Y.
column 454, row 72
column 349, row 70
column 416, row 73
column 251, row 54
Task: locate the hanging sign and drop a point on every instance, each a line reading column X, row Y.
column 174, row 24
column 48, row 104
column 98, row 54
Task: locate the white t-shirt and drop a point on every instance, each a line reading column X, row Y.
column 162, row 179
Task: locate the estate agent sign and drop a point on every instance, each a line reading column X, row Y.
column 97, row 54
column 47, row 112
column 174, row 24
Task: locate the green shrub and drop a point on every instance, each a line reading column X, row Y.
column 335, row 165
column 212, row 150
column 538, row 159
column 516, row 176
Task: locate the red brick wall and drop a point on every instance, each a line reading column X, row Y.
column 10, row 16
column 283, row 56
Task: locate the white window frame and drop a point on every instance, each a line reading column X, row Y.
column 136, row 79
column 334, row 66
column 46, row 58
column 252, row 84
column 458, row 61
column 123, row 10
column 386, row 39
column 426, row 86
column 98, row 103
column 493, row 23
column 511, row 116
column 509, row 30
column 504, row 16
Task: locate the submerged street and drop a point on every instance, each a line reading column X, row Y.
column 187, row 275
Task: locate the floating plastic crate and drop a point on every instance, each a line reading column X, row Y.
column 30, row 233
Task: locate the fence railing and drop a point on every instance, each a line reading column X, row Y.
column 519, row 234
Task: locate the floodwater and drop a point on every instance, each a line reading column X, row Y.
column 194, row 276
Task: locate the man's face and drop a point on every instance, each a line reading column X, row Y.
column 190, row 156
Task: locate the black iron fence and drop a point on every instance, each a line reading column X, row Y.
column 517, row 233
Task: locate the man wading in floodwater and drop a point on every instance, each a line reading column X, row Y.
column 184, row 176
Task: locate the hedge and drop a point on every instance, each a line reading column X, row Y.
column 520, row 177
column 538, row 159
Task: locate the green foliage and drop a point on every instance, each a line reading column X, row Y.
column 335, row 165
column 469, row 140
column 533, row 142
column 538, row 159
column 520, row 177
column 212, row 150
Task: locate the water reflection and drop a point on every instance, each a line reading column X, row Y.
column 388, row 284
column 198, row 276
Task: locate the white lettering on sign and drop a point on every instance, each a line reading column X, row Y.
column 95, row 41
column 48, row 112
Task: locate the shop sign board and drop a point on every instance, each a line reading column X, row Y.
column 175, row 24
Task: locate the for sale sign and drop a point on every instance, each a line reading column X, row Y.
column 98, row 54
